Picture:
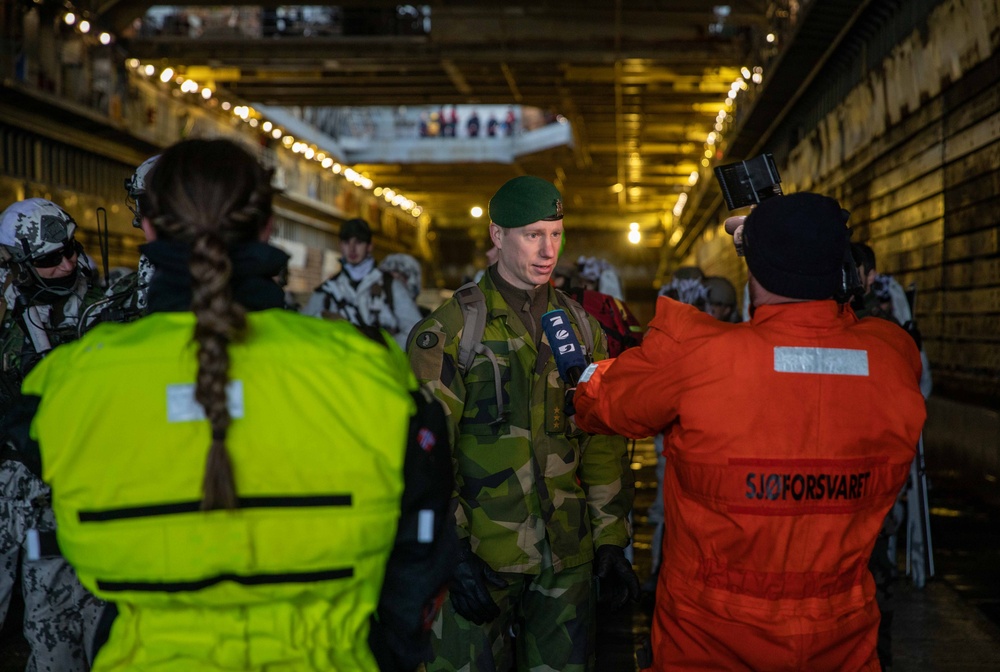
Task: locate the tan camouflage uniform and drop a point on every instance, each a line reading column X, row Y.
column 534, row 495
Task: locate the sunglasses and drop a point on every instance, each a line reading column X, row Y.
column 54, row 258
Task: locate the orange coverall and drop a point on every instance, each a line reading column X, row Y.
column 787, row 440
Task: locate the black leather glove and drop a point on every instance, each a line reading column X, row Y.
column 469, row 593
column 619, row 584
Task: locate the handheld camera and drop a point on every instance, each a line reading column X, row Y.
column 749, row 182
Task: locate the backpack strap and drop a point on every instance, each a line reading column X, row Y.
column 472, row 302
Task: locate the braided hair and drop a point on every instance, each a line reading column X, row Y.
column 211, row 195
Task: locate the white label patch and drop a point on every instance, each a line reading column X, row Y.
column 425, row 526
column 182, row 407
column 588, row 372
column 831, row 361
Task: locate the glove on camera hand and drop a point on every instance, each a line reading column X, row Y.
column 469, row 593
column 619, row 584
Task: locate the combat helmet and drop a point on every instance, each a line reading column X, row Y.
column 135, row 186
column 36, row 230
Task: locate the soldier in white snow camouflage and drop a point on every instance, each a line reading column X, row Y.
column 46, row 291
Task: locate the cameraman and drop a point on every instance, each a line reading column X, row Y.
column 770, row 515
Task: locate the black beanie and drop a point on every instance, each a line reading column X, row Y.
column 796, row 245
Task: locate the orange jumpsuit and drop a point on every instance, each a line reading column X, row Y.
column 787, row 440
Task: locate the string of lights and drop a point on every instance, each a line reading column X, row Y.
column 255, row 120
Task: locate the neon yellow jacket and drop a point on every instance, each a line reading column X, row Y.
column 289, row 580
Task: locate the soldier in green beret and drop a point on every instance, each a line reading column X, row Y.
column 540, row 506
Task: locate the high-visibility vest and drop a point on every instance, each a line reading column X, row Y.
column 320, row 419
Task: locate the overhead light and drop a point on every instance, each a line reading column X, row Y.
column 327, row 162
column 226, row 105
column 133, row 63
column 634, row 236
column 105, row 38
column 693, row 178
column 310, row 152
column 770, row 37
column 149, row 70
column 266, row 127
column 85, row 26
column 276, row 133
column 70, row 18
column 634, row 226
column 416, row 212
column 166, row 75
column 618, row 187
column 745, row 71
column 206, row 93
column 476, row 212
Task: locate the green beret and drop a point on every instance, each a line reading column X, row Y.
column 525, row 200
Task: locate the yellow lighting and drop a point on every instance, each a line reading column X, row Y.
column 745, row 71
column 133, row 63
column 253, row 123
column 266, row 127
column 416, row 212
column 367, row 183
column 618, row 188
column 676, row 238
column 704, row 162
column 757, row 78
column 276, row 133
column 732, row 94
column 206, row 93
column 70, row 18
column 85, row 26
column 708, row 153
column 771, row 37
column 310, row 152
column 378, row 191
column 288, row 141
column 149, row 70
column 105, row 38
column 226, row 105
column 476, row 212
column 729, row 102
column 320, row 156
column 634, row 226
column 634, row 237
column 327, row 162
column 711, row 138
column 718, row 125
column 693, row 178
column 166, row 75
column 336, row 168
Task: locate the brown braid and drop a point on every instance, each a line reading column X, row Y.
column 211, row 194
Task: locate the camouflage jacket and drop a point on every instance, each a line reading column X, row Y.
column 532, row 490
column 56, row 324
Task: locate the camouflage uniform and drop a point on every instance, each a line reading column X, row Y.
column 535, row 496
column 60, row 615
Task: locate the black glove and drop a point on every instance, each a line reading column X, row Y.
column 619, row 584
column 469, row 593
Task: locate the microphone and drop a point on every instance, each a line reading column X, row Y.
column 565, row 347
